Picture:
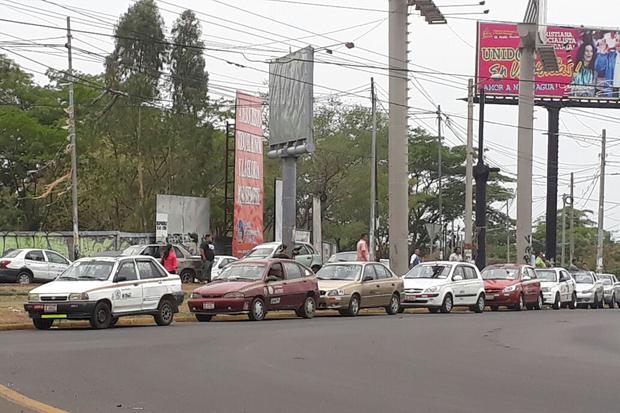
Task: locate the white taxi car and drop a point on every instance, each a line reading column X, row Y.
column 103, row 289
column 441, row 286
column 558, row 287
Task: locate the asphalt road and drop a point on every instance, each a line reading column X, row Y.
column 535, row 362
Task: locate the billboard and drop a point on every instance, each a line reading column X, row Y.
column 589, row 62
column 182, row 219
column 248, row 205
column 291, row 98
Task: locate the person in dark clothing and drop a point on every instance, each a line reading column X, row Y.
column 207, row 253
column 282, row 252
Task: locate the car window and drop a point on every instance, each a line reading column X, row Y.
column 459, row 271
column 151, row 251
column 127, row 269
column 178, row 253
column 531, row 273
column 310, row 249
column 35, row 255
column 369, row 271
column 300, row 249
column 293, row 271
column 470, row 274
column 564, row 276
column 56, row 258
column 12, row 254
column 148, row 270
column 382, row 273
column 276, row 271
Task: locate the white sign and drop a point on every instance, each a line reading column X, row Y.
column 302, row 236
column 161, row 227
column 278, row 207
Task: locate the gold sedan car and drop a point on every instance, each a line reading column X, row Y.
column 350, row 286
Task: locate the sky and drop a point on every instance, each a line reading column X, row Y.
column 242, row 35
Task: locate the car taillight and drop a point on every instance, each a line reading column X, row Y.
column 4, row 263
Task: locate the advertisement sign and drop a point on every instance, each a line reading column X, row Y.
column 589, row 62
column 278, row 208
column 161, row 227
column 248, row 206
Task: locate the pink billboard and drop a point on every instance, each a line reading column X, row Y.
column 588, row 60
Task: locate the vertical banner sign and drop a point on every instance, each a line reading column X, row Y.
column 278, row 208
column 161, row 227
column 248, row 208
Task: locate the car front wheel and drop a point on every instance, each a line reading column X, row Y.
column 102, row 316
column 42, row 323
column 257, row 310
column 520, row 304
column 557, row 304
column 479, row 307
column 573, row 302
column 446, row 306
column 394, row 305
column 354, row 306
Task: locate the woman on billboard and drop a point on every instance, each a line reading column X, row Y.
column 583, row 83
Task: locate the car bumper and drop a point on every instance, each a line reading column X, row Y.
column 585, row 298
column 67, row 310
column 501, row 298
column 8, row 275
column 421, row 301
column 334, row 302
column 219, row 305
column 549, row 297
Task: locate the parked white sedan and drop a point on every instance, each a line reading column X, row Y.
column 31, row 264
column 103, row 289
column 590, row 291
column 612, row 289
column 440, row 286
column 558, row 287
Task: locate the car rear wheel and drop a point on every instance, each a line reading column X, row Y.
column 520, row 304
column 354, row 306
column 102, row 316
column 447, row 305
column 203, row 318
column 42, row 323
column 24, row 277
column 479, row 306
column 557, row 304
column 257, row 310
column 165, row 313
column 308, row 309
column 573, row 302
column 187, row 276
column 394, row 305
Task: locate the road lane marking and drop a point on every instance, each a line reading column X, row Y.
column 23, row 401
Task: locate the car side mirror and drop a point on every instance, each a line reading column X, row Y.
column 271, row 278
column 367, row 278
column 120, row 278
column 457, row 278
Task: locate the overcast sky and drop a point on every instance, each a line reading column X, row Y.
column 269, row 28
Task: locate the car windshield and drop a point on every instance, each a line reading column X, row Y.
column 343, row 257
column 88, row 270
column 12, row 254
column 500, row 273
column 348, row 272
column 133, row 250
column 242, row 272
column 547, row 275
column 429, row 271
column 606, row 279
column 583, row 278
column 260, row 253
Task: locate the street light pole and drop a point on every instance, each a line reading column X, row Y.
column 72, row 138
column 469, row 172
column 373, row 174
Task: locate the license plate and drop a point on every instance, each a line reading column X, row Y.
column 489, row 296
column 50, row 308
column 411, row 297
column 208, row 306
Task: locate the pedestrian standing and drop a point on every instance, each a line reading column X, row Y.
column 416, row 258
column 540, row 260
column 169, row 259
column 456, row 255
column 362, row 248
column 207, row 254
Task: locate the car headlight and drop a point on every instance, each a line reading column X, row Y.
column 545, row 289
column 78, row 297
column 234, row 294
column 510, row 288
column 33, row 297
column 432, row 289
column 195, row 295
column 333, row 293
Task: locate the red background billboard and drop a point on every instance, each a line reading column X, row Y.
column 588, row 59
column 249, row 191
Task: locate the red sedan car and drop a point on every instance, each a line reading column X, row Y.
column 255, row 287
column 513, row 286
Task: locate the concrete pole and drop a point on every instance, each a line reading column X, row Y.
column 317, row 233
column 289, row 200
column 563, row 260
column 528, row 33
column 552, row 184
column 469, row 172
column 601, row 207
column 398, row 150
column 72, row 138
column 571, row 250
column 373, row 175
column 440, row 178
column 507, row 232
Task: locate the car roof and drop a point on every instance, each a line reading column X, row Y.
column 115, row 259
column 444, row 263
column 351, row 263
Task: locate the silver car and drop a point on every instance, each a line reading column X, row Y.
column 611, row 288
column 31, row 264
column 590, row 291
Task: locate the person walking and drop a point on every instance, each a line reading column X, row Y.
column 207, row 254
column 456, row 255
column 540, row 260
column 416, row 258
column 282, row 252
column 169, row 259
column 362, row 248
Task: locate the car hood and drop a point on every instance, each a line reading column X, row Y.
column 423, row 282
column 584, row 287
column 61, row 287
column 335, row 284
column 223, row 287
column 499, row 284
column 548, row 284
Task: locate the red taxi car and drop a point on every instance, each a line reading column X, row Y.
column 255, row 287
column 512, row 285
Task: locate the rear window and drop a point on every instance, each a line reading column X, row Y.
column 12, row 254
column 260, row 253
column 547, row 275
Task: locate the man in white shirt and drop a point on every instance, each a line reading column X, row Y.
column 456, row 255
column 415, row 258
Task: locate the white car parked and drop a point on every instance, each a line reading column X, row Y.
column 31, row 264
column 590, row 290
column 612, row 289
column 301, row 252
column 558, row 287
column 219, row 263
column 440, row 286
column 103, row 289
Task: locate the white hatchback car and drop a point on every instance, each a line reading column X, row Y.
column 558, row 287
column 440, row 286
column 26, row 265
column 103, row 289
column 590, row 290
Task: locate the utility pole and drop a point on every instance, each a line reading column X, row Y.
column 563, row 259
column 440, row 178
column 571, row 250
column 601, row 206
column 469, row 172
column 373, row 174
column 398, row 150
column 72, row 139
column 507, row 231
